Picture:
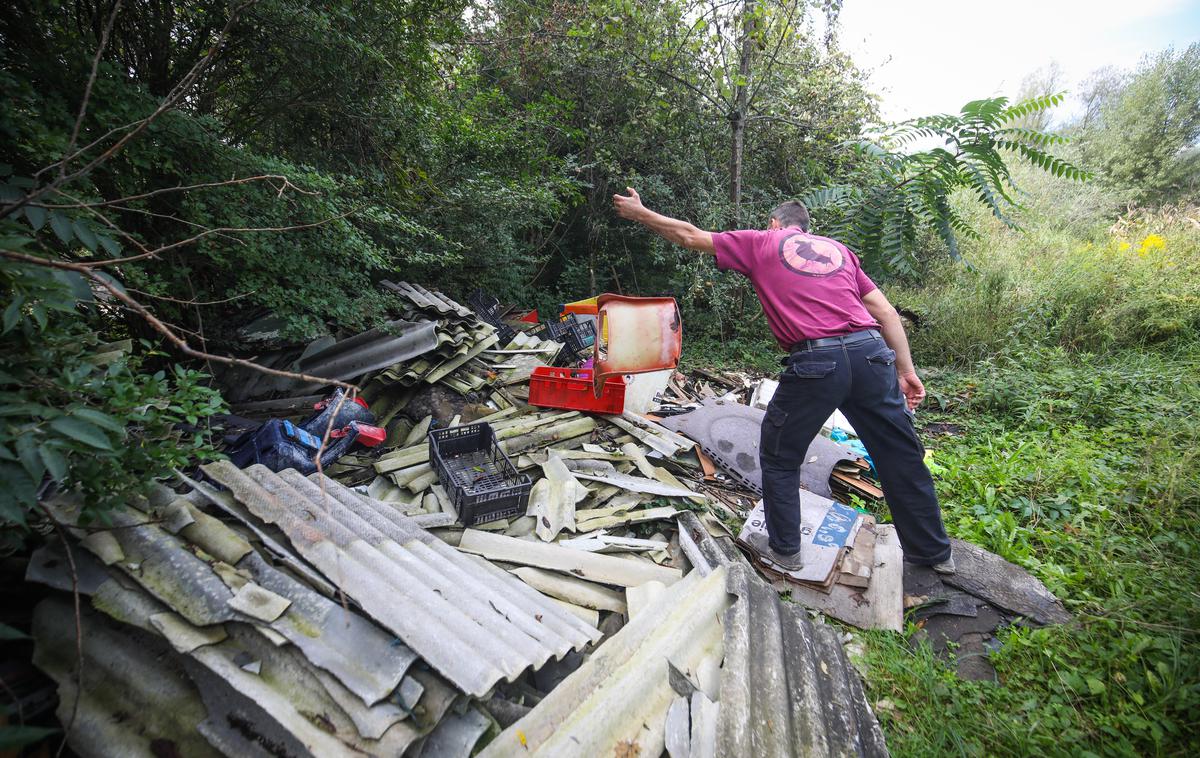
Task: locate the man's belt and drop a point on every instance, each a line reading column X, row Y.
column 846, row 339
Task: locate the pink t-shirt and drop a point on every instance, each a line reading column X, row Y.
column 810, row 286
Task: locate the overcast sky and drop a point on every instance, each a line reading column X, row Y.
column 932, row 56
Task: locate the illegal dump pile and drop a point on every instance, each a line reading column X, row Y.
column 470, row 570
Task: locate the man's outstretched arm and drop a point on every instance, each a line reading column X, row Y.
column 673, row 230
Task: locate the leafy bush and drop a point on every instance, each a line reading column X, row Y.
column 1140, row 129
column 882, row 210
column 83, row 415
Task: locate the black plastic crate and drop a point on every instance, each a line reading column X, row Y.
column 488, row 309
column 479, row 479
column 577, row 334
column 581, row 335
column 566, row 358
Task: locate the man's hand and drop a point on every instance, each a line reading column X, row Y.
column 673, row 230
column 914, row 391
column 629, row 207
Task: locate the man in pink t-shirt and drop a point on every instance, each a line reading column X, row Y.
column 846, row 350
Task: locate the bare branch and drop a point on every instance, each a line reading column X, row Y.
column 169, row 299
column 169, row 102
column 179, row 342
column 774, row 56
column 150, row 214
column 780, row 119
column 62, row 534
column 209, row 232
column 88, row 146
column 87, row 90
column 109, row 223
column 286, row 184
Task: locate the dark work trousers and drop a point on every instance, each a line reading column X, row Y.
column 860, row 379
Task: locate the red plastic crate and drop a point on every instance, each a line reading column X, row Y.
column 571, row 389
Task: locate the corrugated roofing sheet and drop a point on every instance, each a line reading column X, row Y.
column 472, row 622
column 358, row 653
column 616, row 703
column 135, row 692
column 704, row 551
column 434, row 325
column 787, row 687
column 255, row 687
column 392, row 343
column 257, row 690
column 426, row 300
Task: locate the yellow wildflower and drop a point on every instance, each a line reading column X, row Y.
column 1152, row 242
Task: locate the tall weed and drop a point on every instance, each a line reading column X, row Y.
column 1132, row 285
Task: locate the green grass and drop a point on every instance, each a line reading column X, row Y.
column 1084, row 471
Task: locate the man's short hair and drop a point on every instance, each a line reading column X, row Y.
column 791, row 213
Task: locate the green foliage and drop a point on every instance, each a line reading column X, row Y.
column 384, row 173
column 80, row 414
column 643, row 101
column 1083, row 469
column 1077, row 460
column 883, row 210
column 411, row 139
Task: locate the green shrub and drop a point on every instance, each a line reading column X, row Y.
column 95, row 418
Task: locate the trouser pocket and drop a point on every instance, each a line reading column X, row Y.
column 772, row 429
column 807, row 369
column 885, row 356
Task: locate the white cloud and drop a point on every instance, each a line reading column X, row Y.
column 930, row 56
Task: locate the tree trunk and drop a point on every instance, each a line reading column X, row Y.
column 737, row 119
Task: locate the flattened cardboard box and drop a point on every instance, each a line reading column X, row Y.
column 827, row 531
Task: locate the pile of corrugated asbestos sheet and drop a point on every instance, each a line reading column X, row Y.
column 252, row 612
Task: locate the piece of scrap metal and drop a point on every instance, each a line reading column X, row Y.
column 787, row 687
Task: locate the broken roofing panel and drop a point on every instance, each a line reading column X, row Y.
column 474, row 623
column 704, row 551
column 616, row 703
column 255, row 687
column 787, row 687
column 392, row 343
column 205, row 591
column 136, row 698
column 425, row 300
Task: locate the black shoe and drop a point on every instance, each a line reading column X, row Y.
column 786, row 563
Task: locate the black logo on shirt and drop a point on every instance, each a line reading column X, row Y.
column 810, row 256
